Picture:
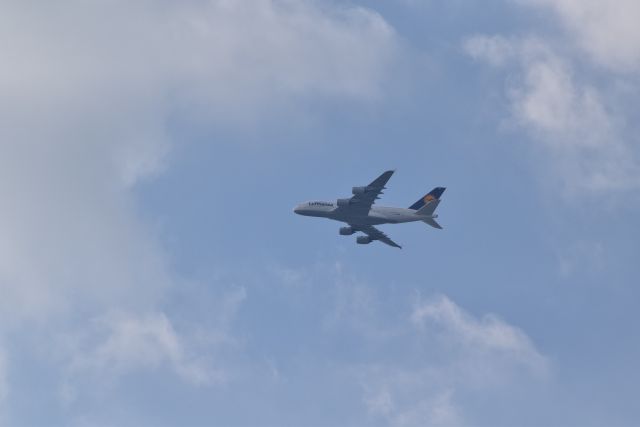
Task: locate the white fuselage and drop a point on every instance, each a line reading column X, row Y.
column 355, row 216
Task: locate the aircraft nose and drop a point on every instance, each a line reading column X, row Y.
column 296, row 209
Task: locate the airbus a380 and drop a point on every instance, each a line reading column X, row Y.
column 360, row 214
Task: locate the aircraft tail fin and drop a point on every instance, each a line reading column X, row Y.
column 432, row 222
column 427, row 205
column 432, row 195
column 429, row 208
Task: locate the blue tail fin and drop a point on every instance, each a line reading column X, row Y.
column 432, row 195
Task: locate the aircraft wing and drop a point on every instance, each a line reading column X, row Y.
column 376, row 234
column 371, row 192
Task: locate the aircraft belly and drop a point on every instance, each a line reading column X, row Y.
column 371, row 221
column 366, row 220
column 359, row 219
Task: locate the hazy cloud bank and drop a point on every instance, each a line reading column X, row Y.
column 88, row 91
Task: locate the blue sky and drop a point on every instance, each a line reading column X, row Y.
column 152, row 269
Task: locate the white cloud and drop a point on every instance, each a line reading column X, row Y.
column 119, row 343
column 496, row 50
column 550, row 103
column 545, row 96
column 427, row 407
column 218, row 59
column 606, row 30
column 87, row 90
column 451, row 352
column 575, row 120
column 94, row 359
column 426, row 364
column 86, row 94
column 489, row 343
column 438, row 410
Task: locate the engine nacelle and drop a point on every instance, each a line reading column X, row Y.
column 359, row 190
column 343, row 202
column 363, row 240
column 346, row 231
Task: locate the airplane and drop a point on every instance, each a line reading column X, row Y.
column 360, row 214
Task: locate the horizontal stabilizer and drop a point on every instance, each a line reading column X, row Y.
column 432, row 222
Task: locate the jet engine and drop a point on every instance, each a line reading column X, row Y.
column 346, row 231
column 359, row 190
column 343, row 202
column 363, row 240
